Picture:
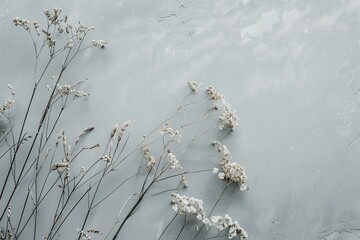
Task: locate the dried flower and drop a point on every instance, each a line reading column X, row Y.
column 8, row 212
column 106, row 158
column 80, row 94
column 65, row 90
column 188, row 206
column 231, row 171
column 173, row 161
column 7, row 105
column 183, row 181
column 37, row 27
column 193, row 85
column 167, row 130
column 22, row 23
column 151, row 160
column 226, row 222
column 99, row 43
column 228, row 119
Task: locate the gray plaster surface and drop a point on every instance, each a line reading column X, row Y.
column 290, row 68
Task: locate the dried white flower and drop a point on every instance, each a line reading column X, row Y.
column 80, row 94
column 167, row 130
column 151, row 160
column 173, row 161
column 188, row 206
column 8, row 212
column 228, row 119
column 183, row 181
column 22, row 23
column 193, row 85
column 7, row 105
column 231, row 171
column 226, row 222
column 65, row 90
column 106, row 158
column 99, row 43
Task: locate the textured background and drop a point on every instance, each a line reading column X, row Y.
column 290, row 68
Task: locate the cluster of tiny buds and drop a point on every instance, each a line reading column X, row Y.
column 231, row 171
column 106, row 158
column 22, row 23
column 166, row 129
column 80, row 94
column 173, row 161
column 194, row 85
column 185, row 205
column 222, row 223
column 65, row 90
column 7, row 105
column 8, row 212
column 151, row 160
column 98, row 43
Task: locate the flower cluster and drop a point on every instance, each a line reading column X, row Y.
column 64, row 90
column 80, row 94
column 63, row 166
column 54, row 16
column 188, row 206
column 106, row 158
column 99, row 43
column 173, row 161
column 226, row 222
column 7, row 105
column 193, row 85
column 22, row 23
column 167, row 130
column 229, row 118
column 151, row 160
column 231, row 171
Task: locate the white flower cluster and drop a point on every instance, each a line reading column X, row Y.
column 81, row 30
column 151, row 160
column 99, row 43
column 63, row 166
column 193, row 85
column 64, row 90
column 229, row 118
column 80, row 94
column 22, row 23
column 106, row 158
column 120, row 129
column 167, row 130
column 86, row 236
column 54, row 16
column 7, row 105
column 173, row 161
column 188, row 206
column 226, row 222
column 231, row 171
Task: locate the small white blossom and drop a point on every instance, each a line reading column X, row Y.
column 99, row 43
column 65, row 90
column 193, row 85
column 22, row 23
column 173, row 161
column 226, row 222
column 7, row 105
column 231, row 171
column 80, row 94
column 188, row 206
column 151, row 160
column 106, row 158
column 167, row 130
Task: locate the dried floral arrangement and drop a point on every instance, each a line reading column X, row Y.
column 42, row 166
